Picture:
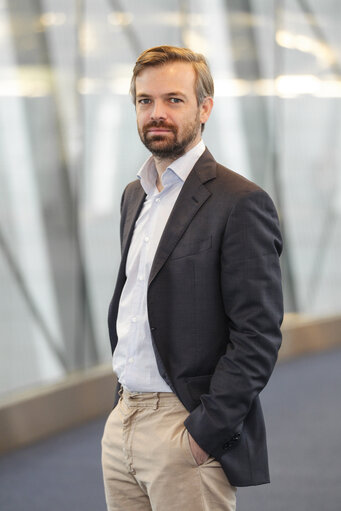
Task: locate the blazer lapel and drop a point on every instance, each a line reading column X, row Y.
column 134, row 207
column 192, row 196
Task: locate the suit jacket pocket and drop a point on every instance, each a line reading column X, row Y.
column 191, row 247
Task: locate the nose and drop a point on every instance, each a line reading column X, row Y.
column 158, row 111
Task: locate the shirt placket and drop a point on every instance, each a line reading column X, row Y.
column 143, row 270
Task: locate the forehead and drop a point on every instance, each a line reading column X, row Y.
column 174, row 76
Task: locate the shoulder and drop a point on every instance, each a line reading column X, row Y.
column 229, row 187
column 131, row 191
column 219, row 177
column 233, row 183
column 132, row 188
column 240, row 190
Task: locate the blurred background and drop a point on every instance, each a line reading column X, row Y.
column 68, row 146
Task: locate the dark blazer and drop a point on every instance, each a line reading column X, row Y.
column 215, row 309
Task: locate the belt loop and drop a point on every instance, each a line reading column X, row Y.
column 157, row 401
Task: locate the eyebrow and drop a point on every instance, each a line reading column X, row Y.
column 176, row 93
column 167, row 95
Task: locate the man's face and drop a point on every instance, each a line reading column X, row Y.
column 168, row 116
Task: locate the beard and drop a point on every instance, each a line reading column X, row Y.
column 169, row 145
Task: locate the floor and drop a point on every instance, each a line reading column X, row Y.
column 302, row 406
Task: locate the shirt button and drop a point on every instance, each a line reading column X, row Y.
column 130, row 360
column 157, row 200
column 134, row 319
column 141, row 277
column 146, row 239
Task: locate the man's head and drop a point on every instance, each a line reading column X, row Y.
column 172, row 90
column 160, row 55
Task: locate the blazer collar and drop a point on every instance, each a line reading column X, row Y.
column 192, row 196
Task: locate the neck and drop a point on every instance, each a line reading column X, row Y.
column 161, row 164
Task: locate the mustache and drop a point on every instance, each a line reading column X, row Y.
column 159, row 124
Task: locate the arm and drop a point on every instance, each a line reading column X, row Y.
column 252, row 296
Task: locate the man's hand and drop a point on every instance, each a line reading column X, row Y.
column 199, row 454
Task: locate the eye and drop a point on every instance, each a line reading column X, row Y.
column 144, row 101
column 175, row 100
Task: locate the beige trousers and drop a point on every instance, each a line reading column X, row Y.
column 148, row 463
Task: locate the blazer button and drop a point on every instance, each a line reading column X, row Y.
column 227, row 446
column 152, row 328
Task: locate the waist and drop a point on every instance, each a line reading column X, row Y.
column 150, row 399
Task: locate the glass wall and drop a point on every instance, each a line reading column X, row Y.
column 69, row 145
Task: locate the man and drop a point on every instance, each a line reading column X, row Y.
column 195, row 317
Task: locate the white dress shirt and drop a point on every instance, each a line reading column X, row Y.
column 134, row 360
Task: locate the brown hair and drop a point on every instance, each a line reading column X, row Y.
column 161, row 55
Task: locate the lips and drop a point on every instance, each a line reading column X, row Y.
column 158, row 130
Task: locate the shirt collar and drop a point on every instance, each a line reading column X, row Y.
column 180, row 167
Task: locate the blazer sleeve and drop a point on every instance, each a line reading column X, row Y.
column 252, row 296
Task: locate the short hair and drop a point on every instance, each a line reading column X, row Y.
column 161, row 55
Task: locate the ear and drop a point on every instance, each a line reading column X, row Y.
column 205, row 109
